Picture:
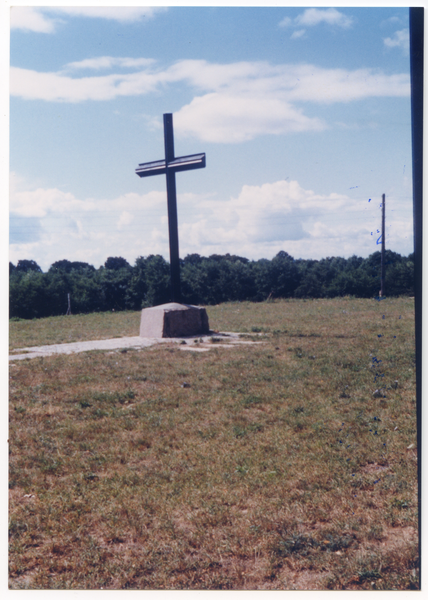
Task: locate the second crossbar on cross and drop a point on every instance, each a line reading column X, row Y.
column 169, row 167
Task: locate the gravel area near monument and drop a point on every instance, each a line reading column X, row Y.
column 197, row 343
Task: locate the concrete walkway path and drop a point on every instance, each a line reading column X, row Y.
column 195, row 343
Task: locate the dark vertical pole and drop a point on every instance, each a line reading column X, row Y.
column 172, row 209
column 382, row 255
column 416, row 23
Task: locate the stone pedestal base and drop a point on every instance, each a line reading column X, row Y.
column 173, row 320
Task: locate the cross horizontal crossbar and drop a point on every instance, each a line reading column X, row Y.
column 184, row 163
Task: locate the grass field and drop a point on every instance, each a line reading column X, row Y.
column 289, row 465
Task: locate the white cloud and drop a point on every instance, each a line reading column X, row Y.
column 39, row 202
column 125, row 219
column 309, row 83
column 331, row 16
column 241, row 100
column 296, row 82
column 215, row 77
column 400, row 39
column 258, row 222
column 262, row 220
column 315, row 16
column 286, row 22
column 30, row 19
column 56, row 87
column 239, row 118
column 393, row 20
column 277, row 211
column 298, row 34
column 263, row 99
column 121, row 14
column 83, row 229
column 40, row 20
column 107, row 62
column 30, row 201
column 261, row 216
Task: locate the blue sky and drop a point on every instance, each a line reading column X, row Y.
column 303, row 113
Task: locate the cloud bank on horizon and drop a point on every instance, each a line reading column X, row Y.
column 243, row 108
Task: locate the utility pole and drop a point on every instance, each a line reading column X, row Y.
column 382, row 256
column 416, row 23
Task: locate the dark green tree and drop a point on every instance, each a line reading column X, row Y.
column 24, row 266
column 115, row 263
column 66, row 266
column 137, row 288
column 157, row 278
column 113, row 284
column 28, row 296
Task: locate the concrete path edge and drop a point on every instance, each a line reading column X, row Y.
column 135, row 342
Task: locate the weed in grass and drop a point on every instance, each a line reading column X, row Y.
column 295, row 544
column 368, row 574
column 375, row 532
column 251, row 401
column 400, row 504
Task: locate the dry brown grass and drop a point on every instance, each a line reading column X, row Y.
column 277, row 467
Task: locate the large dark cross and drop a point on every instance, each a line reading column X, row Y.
column 170, row 166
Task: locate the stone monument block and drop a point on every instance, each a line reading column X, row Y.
column 173, row 320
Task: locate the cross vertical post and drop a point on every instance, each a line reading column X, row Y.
column 169, row 167
column 172, row 209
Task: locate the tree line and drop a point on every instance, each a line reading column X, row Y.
column 204, row 280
